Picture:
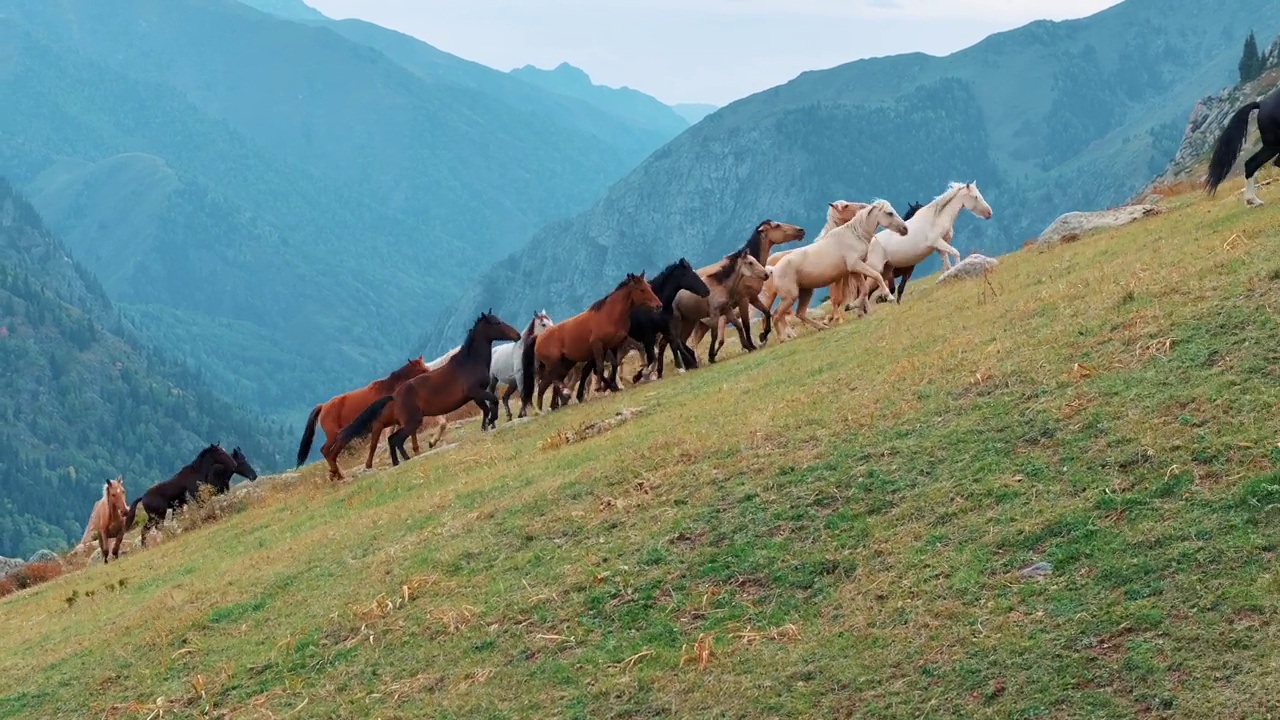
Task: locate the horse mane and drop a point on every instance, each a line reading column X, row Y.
column 471, row 335
column 665, row 274
column 953, row 189
column 600, row 303
column 729, row 265
column 752, row 245
column 528, row 332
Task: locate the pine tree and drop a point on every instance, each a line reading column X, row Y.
column 1251, row 62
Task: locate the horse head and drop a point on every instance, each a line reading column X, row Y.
column 243, row 468
column 489, row 327
column 640, row 293
column 777, row 233
column 689, row 279
column 882, row 214
column 974, row 202
column 113, row 492
column 841, row 212
column 912, row 209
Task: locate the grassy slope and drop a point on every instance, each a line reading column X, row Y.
column 867, row 495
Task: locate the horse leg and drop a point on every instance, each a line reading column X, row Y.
column 902, row 286
column 488, row 404
column 766, row 321
column 1251, row 168
column 780, row 315
column 374, row 436
column 102, row 544
column 862, row 267
column 715, row 337
column 115, row 547
column 803, row 297
column 743, row 326
column 440, row 428
column 506, row 399
column 414, row 439
column 942, row 246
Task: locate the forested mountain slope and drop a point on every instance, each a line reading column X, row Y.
column 82, row 399
column 1047, row 118
column 273, row 187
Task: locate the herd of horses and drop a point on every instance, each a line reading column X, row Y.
column 864, row 254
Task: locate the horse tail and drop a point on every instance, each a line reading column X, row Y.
column 132, row 516
column 308, row 435
column 527, row 362
column 1228, row 147
column 364, row 422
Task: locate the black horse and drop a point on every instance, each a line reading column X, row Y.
column 213, row 467
column 1231, row 142
column 649, row 326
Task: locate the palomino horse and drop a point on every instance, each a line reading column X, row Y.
column 463, row 378
column 728, row 279
column 213, row 467
column 649, row 326
column 108, row 518
column 925, row 235
column 842, row 293
column 338, row 412
column 760, row 245
column 508, row 360
column 1229, row 144
column 834, row 255
column 589, row 335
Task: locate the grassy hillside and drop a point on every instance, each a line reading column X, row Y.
column 220, row 168
column 829, row 528
column 1048, row 118
column 82, row 399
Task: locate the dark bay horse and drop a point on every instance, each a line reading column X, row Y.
column 1231, row 142
column 463, row 378
column 648, row 326
column 213, row 467
column 338, row 412
column 589, row 335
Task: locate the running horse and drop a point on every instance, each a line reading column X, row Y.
column 110, row 522
column 589, row 335
column 338, row 412
column 213, row 467
column 463, row 378
column 505, row 366
column 1231, row 142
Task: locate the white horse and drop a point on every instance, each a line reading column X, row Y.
column 833, row 256
column 928, row 231
column 506, row 365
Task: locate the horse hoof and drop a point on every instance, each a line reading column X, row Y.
column 1253, row 202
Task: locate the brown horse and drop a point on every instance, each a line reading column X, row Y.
column 463, row 378
column 768, row 235
column 108, row 517
column 589, row 335
column 339, row 411
column 727, row 279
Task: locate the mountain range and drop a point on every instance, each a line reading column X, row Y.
column 1047, row 118
column 282, row 198
column 84, row 398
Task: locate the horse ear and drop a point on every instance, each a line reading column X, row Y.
column 642, row 272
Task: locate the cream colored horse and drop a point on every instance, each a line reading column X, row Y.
column 834, row 255
column 928, row 232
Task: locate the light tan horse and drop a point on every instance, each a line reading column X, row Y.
column 835, row 254
column 107, row 518
column 726, row 280
column 838, row 213
column 768, row 235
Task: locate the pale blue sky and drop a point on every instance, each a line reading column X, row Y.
column 699, row 50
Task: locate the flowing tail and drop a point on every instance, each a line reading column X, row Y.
column 528, row 360
column 1228, row 147
column 308, row 436
column 132, row 516
column 363, row 423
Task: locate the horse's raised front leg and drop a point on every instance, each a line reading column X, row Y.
column 766, row 319
column 865, row 269
column 744, row 327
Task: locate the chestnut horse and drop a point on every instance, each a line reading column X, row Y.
column 108, row 518
column 589, row 335
column 464, row 377
column 339, row 411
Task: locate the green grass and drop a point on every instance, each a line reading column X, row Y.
column 840, row 519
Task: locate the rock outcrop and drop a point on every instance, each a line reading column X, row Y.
column 975, row 265
column 1210, row 116
column 1073, row 225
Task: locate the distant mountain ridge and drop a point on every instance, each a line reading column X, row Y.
column 1050, row 117
column 286, row 186
column 694, row 112
column 628, row 105
column 84, row 399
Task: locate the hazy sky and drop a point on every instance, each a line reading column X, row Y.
column 699, row 50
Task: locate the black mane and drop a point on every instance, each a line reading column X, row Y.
column 752, row 245
column 730, row 265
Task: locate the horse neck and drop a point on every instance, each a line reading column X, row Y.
column 666, row 291
column 940, row 215
column 616, row 306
